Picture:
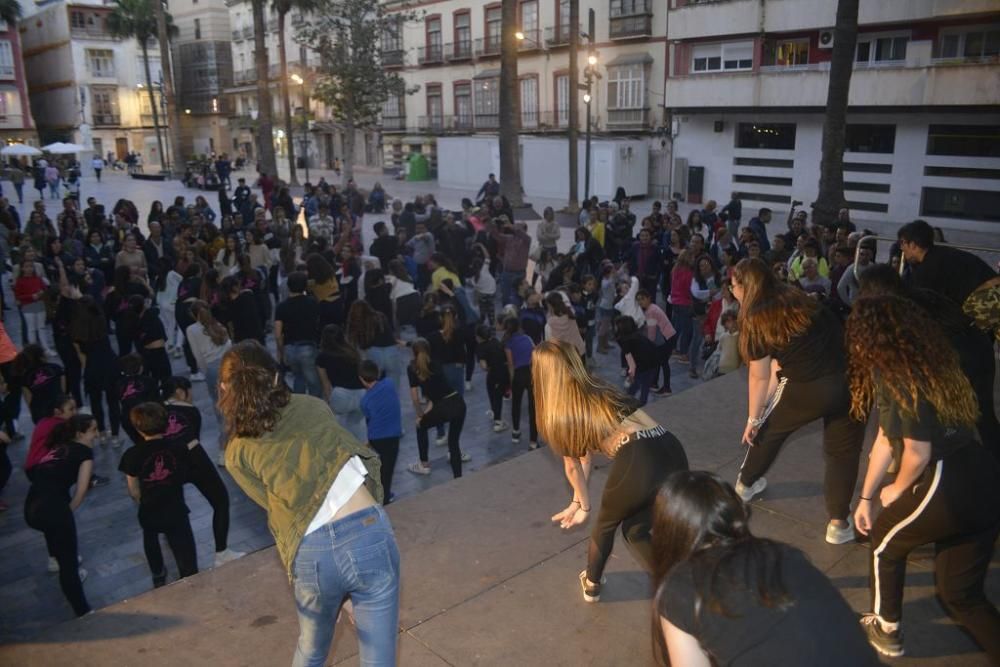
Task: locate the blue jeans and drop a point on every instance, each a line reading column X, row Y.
column 508, row 287
column 346, row 406
column 354, row 556
column 697, row 340
column 641, row 384
column 680, row 317
column 301, row 359
column 388, row 360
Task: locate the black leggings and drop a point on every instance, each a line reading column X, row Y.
column 71, row 366
column 519, row 385
column 963, row 526
column 798, row 404
column 157, row 362
column 5, row 467
column 206, row 479
column 98, row 395
column 54, row 518
column 665, row 351
column 450, row 411
column 979, row 364
column 181, row 542
column 184, row 321
column 469, row 333
column 388, row 451
column 10, row 407
column 497, row 383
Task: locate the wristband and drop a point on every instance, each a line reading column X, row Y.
column 584, row 509
column 754, row 421
column 863, row 498
column 576, row 502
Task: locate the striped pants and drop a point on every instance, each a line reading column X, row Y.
column 956, row 506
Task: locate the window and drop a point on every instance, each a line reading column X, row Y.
column 435, row 105
column 488, row 96
column 393, row 107
column 964, row 140
column 873, row 49
column 392, row 37
column 969, row 42
column 6, row 59
column 77, row 20
column 964, row 204
column 870, row 138
column 529, row 20
column 463, row 29
column 563, row 18
column 627, row 87
column 629, row 7
column 722, row 57
column 104, row 104
column 772, row 136
column 786, row 53
column 10, row 104
column 433, row 35
column 529, row 101
column 463, row 105
column 562, row 100
column 197, row 28
column 493, row 22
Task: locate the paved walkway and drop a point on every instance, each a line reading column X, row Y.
column 487, row 580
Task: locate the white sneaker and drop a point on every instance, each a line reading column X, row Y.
column 226, row 555
column 837, row 535
column 489, row 414
column 442, row 441
column 419, row 468
column 53, row 566
column 747, row 493
column 466, row 457
column 468, row 385
column 500, row 426
column 532, row 445
column 197, row 377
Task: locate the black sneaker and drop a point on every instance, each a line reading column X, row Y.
column 663, row 391
column 886, row 643
column 160, row 580
column 98, row 480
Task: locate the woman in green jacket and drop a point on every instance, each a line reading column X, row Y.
column 322, row 494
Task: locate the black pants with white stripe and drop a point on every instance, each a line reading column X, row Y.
column 956, row 506
column 798, row 404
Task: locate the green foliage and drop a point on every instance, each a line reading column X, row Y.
column 10, row 11
column 136, row 18
column 347, row 36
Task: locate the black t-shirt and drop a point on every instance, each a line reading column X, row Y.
column 434, row 387
column 492, row 352
column 341, row 370
column 56, row 472
column 299, row 317
column 43, row 383
column 643, row 352
column 447, row 351
column 150, row 328
column 379, row 298
column 384, row 336
column 161, row 468
column 133, row 390
column 183, row 424
column 63, row 317
column 385, row 248
column 816, row 352
column 784, row 635
column 428, row 323
column 331, row 312
column 924, row 425
column 952, row 272
column 242, row 314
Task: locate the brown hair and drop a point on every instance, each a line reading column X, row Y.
column 448, row 323
column 771, row 313
column 149, row 418
column 202, row 313
column 363, row 323
column 421, row 358
column 894, row 346
column 252, row 392
column 576, row 411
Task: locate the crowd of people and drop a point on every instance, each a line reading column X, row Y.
column 106, row 299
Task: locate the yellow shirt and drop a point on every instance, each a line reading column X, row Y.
column 439, row 275
column 597, row 231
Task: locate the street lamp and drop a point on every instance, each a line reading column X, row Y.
column 590, row 75
column 304, row 111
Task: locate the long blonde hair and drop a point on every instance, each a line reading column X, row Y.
column 771, row 313
column 575, row 411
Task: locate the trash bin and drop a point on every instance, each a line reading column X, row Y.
column 418, row 170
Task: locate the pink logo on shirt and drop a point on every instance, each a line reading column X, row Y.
column 160, row 471
column 174, row 425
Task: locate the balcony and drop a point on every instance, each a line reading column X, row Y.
column 393, row 58
column 393, row 123
column 458, row 50
column 635, row 20
column 108, row 73
column 532, row 40
column 432, row 54
column 248, row 32
column 488, row 47
column 487, row 121
column 627, row 119
column 237, row 35
column 556, row 36
column 91, row 31
column 445, row 124
column 107, row 119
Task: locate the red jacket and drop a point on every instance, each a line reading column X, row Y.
column 26, row 288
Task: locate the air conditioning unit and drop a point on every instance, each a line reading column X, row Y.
column 825, row 39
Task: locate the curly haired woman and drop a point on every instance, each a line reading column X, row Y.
column 901, row 363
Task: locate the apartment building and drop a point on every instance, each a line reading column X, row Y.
column 203, row 70
column 16, row 122
column 84, row 84
column 316, row 134
column 747, row 89
column 452, row 52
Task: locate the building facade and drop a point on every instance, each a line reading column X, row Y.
column 317, row 137
column 203, row 70
column 747, row 89
column 16, row 122
column 88, row 87
column 452, row 54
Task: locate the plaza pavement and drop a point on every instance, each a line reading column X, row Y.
column 487, row 580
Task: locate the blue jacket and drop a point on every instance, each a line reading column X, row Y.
column 380, row 406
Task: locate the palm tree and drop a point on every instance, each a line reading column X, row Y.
column 831, row 168
column 10, row 12
column 265, row 138
column 510, row 112
column 283, row 7
column 137, row 18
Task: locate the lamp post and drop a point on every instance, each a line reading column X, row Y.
column 590, row 74
column 304, row 111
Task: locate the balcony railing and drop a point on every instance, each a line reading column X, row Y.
column 557, row 36
column 237, row 35
column 244, row 76
column 432, row 54
column 95, row 31
column 487, row 121
column 107, row 119
column 632, row 8
column 631, row 20
column 532, row 40
column 248, row 32
column 443, row 124
column 393, row 123
column 487, row 47
column 393, row 58
column 458, row 50
column 626, row 119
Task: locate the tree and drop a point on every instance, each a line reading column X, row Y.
column 283, row 7
column 137, row 18
column 510, row 158
column 10, row 12
column 164, row 29
column 831, row 171
column 350, row 79
column 265, row 133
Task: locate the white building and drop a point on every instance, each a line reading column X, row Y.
column 452, row 53
column 747, row 90
column 84, row 84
